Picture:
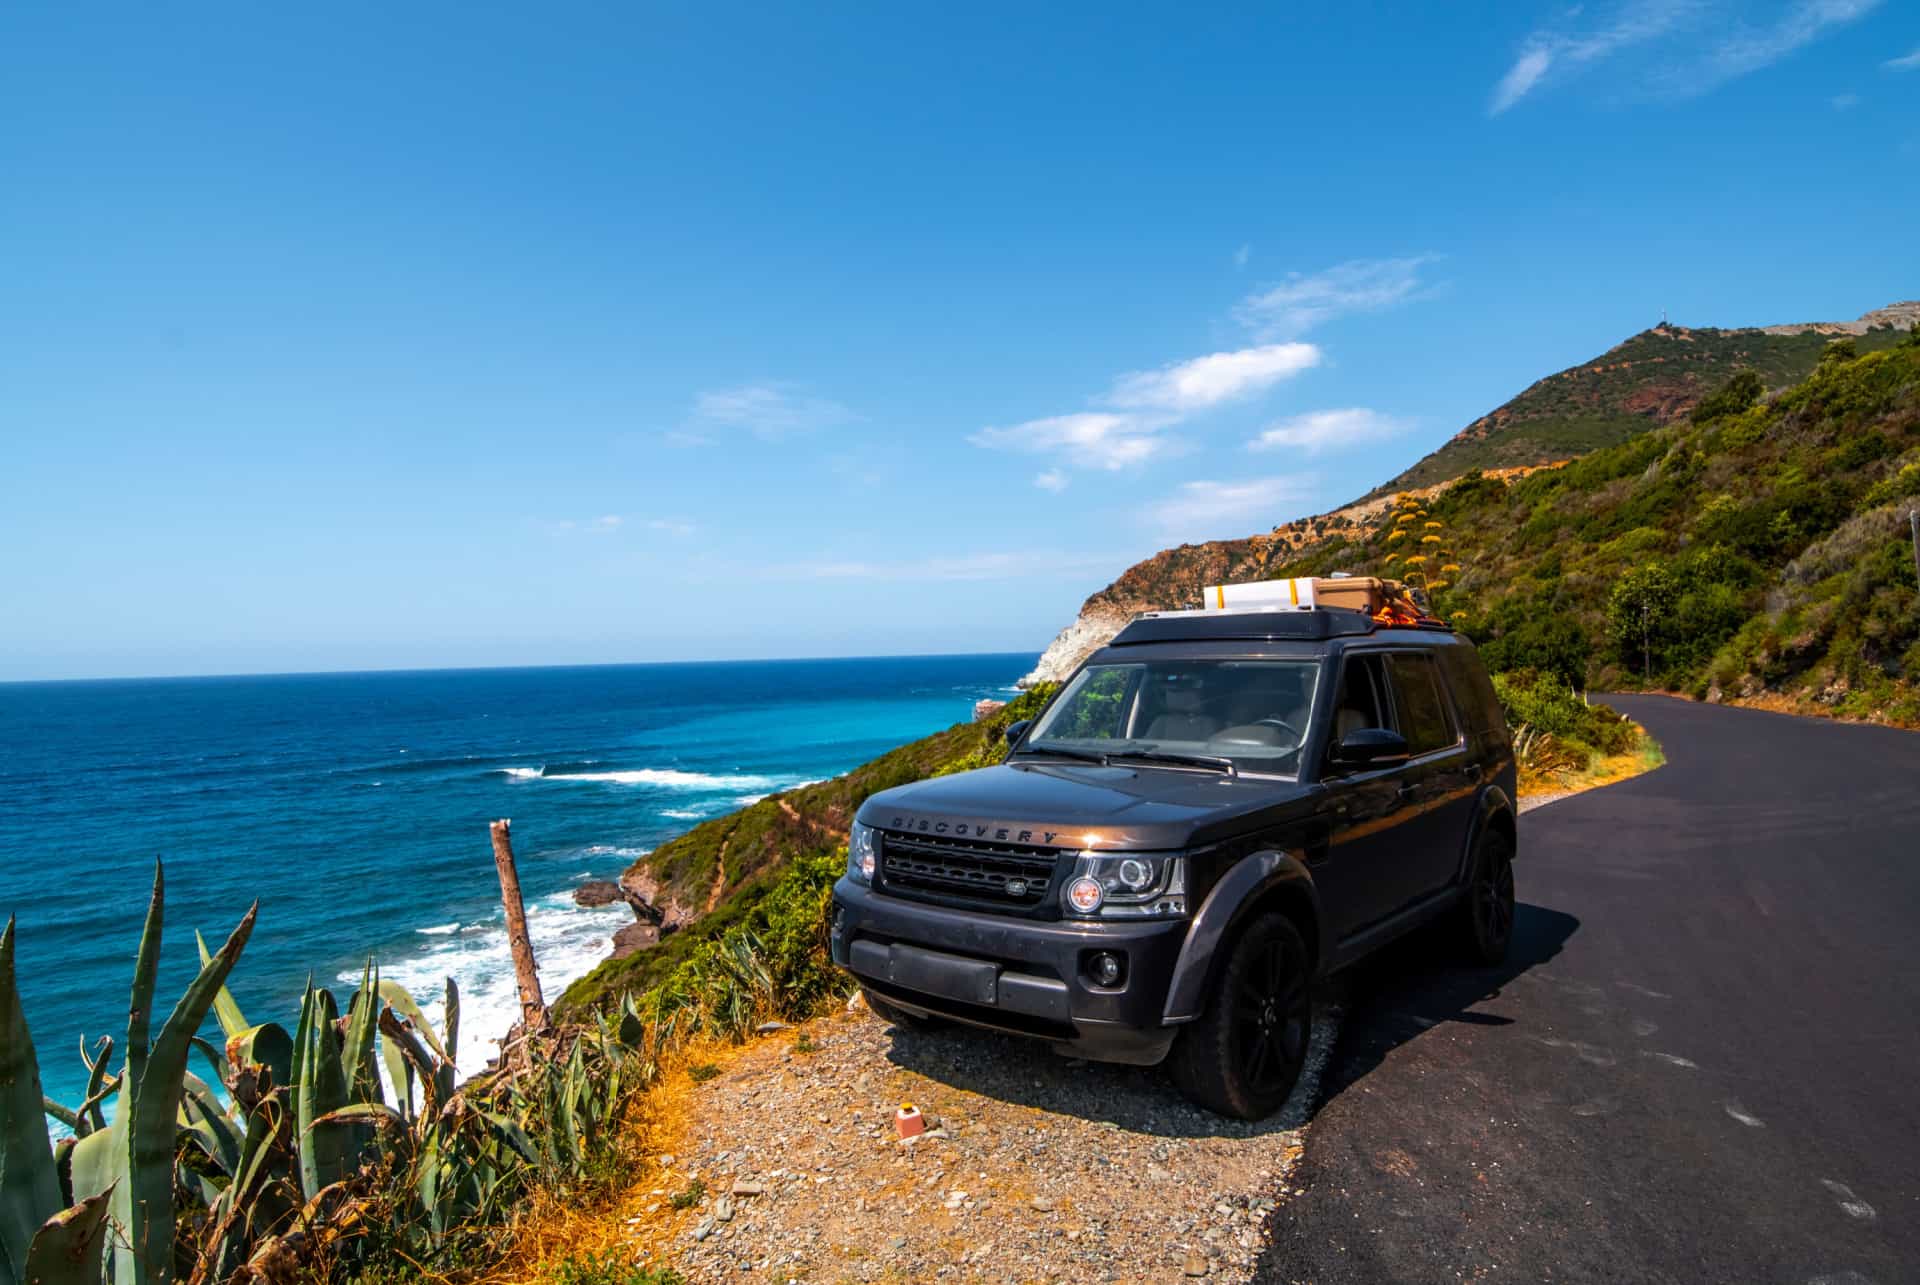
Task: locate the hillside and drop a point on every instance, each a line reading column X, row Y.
column 1754, row 549
column 1651, row 379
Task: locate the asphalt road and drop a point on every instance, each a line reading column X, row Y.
column 1702, row 1062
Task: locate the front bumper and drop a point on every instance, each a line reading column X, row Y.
column 1023, row 976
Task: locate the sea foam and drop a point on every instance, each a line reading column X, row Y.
column 568, row 940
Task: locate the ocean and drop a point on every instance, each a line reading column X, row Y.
column 355, row 808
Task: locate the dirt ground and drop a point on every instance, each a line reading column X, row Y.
column 1035, row 1168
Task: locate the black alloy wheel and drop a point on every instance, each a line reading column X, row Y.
column 1243, row 1057
column 1488, row 911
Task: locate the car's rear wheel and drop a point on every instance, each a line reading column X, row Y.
column 1243, row 1056
column 1486, row 917
column 899, row 1017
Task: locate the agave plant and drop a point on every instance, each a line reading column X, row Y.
column 57, row 1205
column 289, row 1145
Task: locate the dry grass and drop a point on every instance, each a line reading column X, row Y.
column 558, row 1227
column 1645, row 756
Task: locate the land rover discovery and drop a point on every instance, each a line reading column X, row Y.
column 1217, row 809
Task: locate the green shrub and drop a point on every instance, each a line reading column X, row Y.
column 1542, row 703
column 608, row 1268
column 1732, row 397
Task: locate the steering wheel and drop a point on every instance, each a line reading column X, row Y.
column 1284, row 726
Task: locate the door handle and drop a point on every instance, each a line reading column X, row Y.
column 1409, row 788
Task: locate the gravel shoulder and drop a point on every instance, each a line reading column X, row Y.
column 1035, row 1167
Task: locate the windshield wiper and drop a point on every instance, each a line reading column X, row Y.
column 1088, row 756
column 1219, row 762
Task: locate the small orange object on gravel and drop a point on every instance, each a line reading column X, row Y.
column 908, row 1122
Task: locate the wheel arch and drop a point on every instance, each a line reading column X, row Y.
column 1495, row 812
column 1257, row 883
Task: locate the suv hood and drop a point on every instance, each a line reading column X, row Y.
column 1073, row 805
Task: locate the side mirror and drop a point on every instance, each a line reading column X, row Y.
column 1370, row 747
column 1017, row 730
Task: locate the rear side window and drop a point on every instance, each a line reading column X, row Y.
column 1425, row 719
column 1473, row 691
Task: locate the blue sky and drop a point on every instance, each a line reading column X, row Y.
column 356, row 336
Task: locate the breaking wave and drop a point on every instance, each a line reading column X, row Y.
column 671, row 778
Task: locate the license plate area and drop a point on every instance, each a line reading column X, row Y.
column 931, row 972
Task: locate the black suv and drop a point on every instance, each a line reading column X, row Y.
column 1217, row 809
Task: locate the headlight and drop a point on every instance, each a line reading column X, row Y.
column 1127, row 885
column 863, row 852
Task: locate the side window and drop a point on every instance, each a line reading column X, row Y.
column 1361, row 701
column 1425, row 719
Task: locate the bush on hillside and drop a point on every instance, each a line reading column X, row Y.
column 1732, row 397
column 1540, row 705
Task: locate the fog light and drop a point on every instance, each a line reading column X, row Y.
column 1085, row 895
column 1107, row 968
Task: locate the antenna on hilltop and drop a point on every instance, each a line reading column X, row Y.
column 1663, row 319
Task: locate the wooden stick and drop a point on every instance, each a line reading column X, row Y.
column 533, row 1008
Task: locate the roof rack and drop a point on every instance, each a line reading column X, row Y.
column 1388, row 601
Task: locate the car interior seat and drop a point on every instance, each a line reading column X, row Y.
column 1182, row 719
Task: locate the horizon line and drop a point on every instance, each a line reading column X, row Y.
column 494, row 669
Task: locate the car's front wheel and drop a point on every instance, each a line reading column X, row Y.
column 1486, row 917
column 1243, row 1056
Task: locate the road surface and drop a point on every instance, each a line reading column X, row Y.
column 1701, row 1063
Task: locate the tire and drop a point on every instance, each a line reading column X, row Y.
column 1243, row 1056
column 899, row 1017
column 1485, row 918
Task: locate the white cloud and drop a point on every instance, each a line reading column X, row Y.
column 606, row 525
column 768, row 411
column 1020, row 565
column 1525, row 73
column 1091, row 439
column 679, row 528
column 1844, row 102
column 1305, row 300
column 1635, row 23
column 1241, row 256
column 1216, row 510
column 1189, row 386
column 1702, row 44
column 1322, row 430
column 1053, row 479
column 1906, row 62
column 1753, row 48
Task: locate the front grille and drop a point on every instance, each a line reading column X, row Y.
column 992, row 874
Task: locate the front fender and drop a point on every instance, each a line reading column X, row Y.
column 1249, row 879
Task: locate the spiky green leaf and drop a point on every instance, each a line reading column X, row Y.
column 232, row 1020
column 29, row 1187
column 66, row 1250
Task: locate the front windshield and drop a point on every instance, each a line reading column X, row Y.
column 1253, row 712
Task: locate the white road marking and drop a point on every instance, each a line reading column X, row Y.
column 1740, row 1113
column 1673, row 1058
column 1850, row 1204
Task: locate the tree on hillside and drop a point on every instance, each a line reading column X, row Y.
column 1639, row 613
column 1732, row 397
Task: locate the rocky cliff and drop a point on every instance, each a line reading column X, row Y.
column 1173, row 578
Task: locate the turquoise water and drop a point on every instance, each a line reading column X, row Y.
column 355, row 807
